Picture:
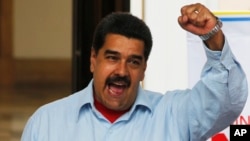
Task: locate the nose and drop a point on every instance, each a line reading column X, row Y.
column 122, row 69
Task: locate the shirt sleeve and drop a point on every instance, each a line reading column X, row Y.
column 30, row 131
column 220, row 95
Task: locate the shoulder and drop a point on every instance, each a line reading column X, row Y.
column 66, row 107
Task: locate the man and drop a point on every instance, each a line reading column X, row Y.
column 114, row 107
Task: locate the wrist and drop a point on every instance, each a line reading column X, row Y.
column 211, row 33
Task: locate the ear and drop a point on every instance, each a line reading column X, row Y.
column 92, row 60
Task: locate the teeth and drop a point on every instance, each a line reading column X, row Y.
column 120, row 84
column 112, row 91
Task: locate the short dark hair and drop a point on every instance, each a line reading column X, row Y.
column 125, row 24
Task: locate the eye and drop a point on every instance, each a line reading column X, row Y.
column 112, row 58
column 134, row 62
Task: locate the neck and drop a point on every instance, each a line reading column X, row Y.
column 111, row 115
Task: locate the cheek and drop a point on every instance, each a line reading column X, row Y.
column 141, row 75
column 137, row 77
column 102, row 71
column 96, row 65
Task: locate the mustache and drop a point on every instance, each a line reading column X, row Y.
column 117, row 78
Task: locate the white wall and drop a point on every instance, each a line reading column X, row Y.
column 167, row 65
column 229, row 5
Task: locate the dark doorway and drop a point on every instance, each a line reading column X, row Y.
column 6, row 29
column 86, row 15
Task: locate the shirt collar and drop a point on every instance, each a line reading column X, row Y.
column 84, row 99
column 142, row 99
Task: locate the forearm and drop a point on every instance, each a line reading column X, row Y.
column 216, row 42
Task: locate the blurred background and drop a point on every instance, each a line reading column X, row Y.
column 45, row 45
column 35, row 59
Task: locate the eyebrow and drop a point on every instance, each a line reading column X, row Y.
column 139, row 57
column 111, row 52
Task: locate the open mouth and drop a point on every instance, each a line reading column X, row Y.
column 117, row 88
column 117, row 85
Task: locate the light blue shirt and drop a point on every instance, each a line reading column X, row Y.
column 180, row 115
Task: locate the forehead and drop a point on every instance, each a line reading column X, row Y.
column 123, row 44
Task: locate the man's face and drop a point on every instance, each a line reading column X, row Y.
column 117, row 70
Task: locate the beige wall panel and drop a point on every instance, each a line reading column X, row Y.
column 42, row 28
column 229, row 5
